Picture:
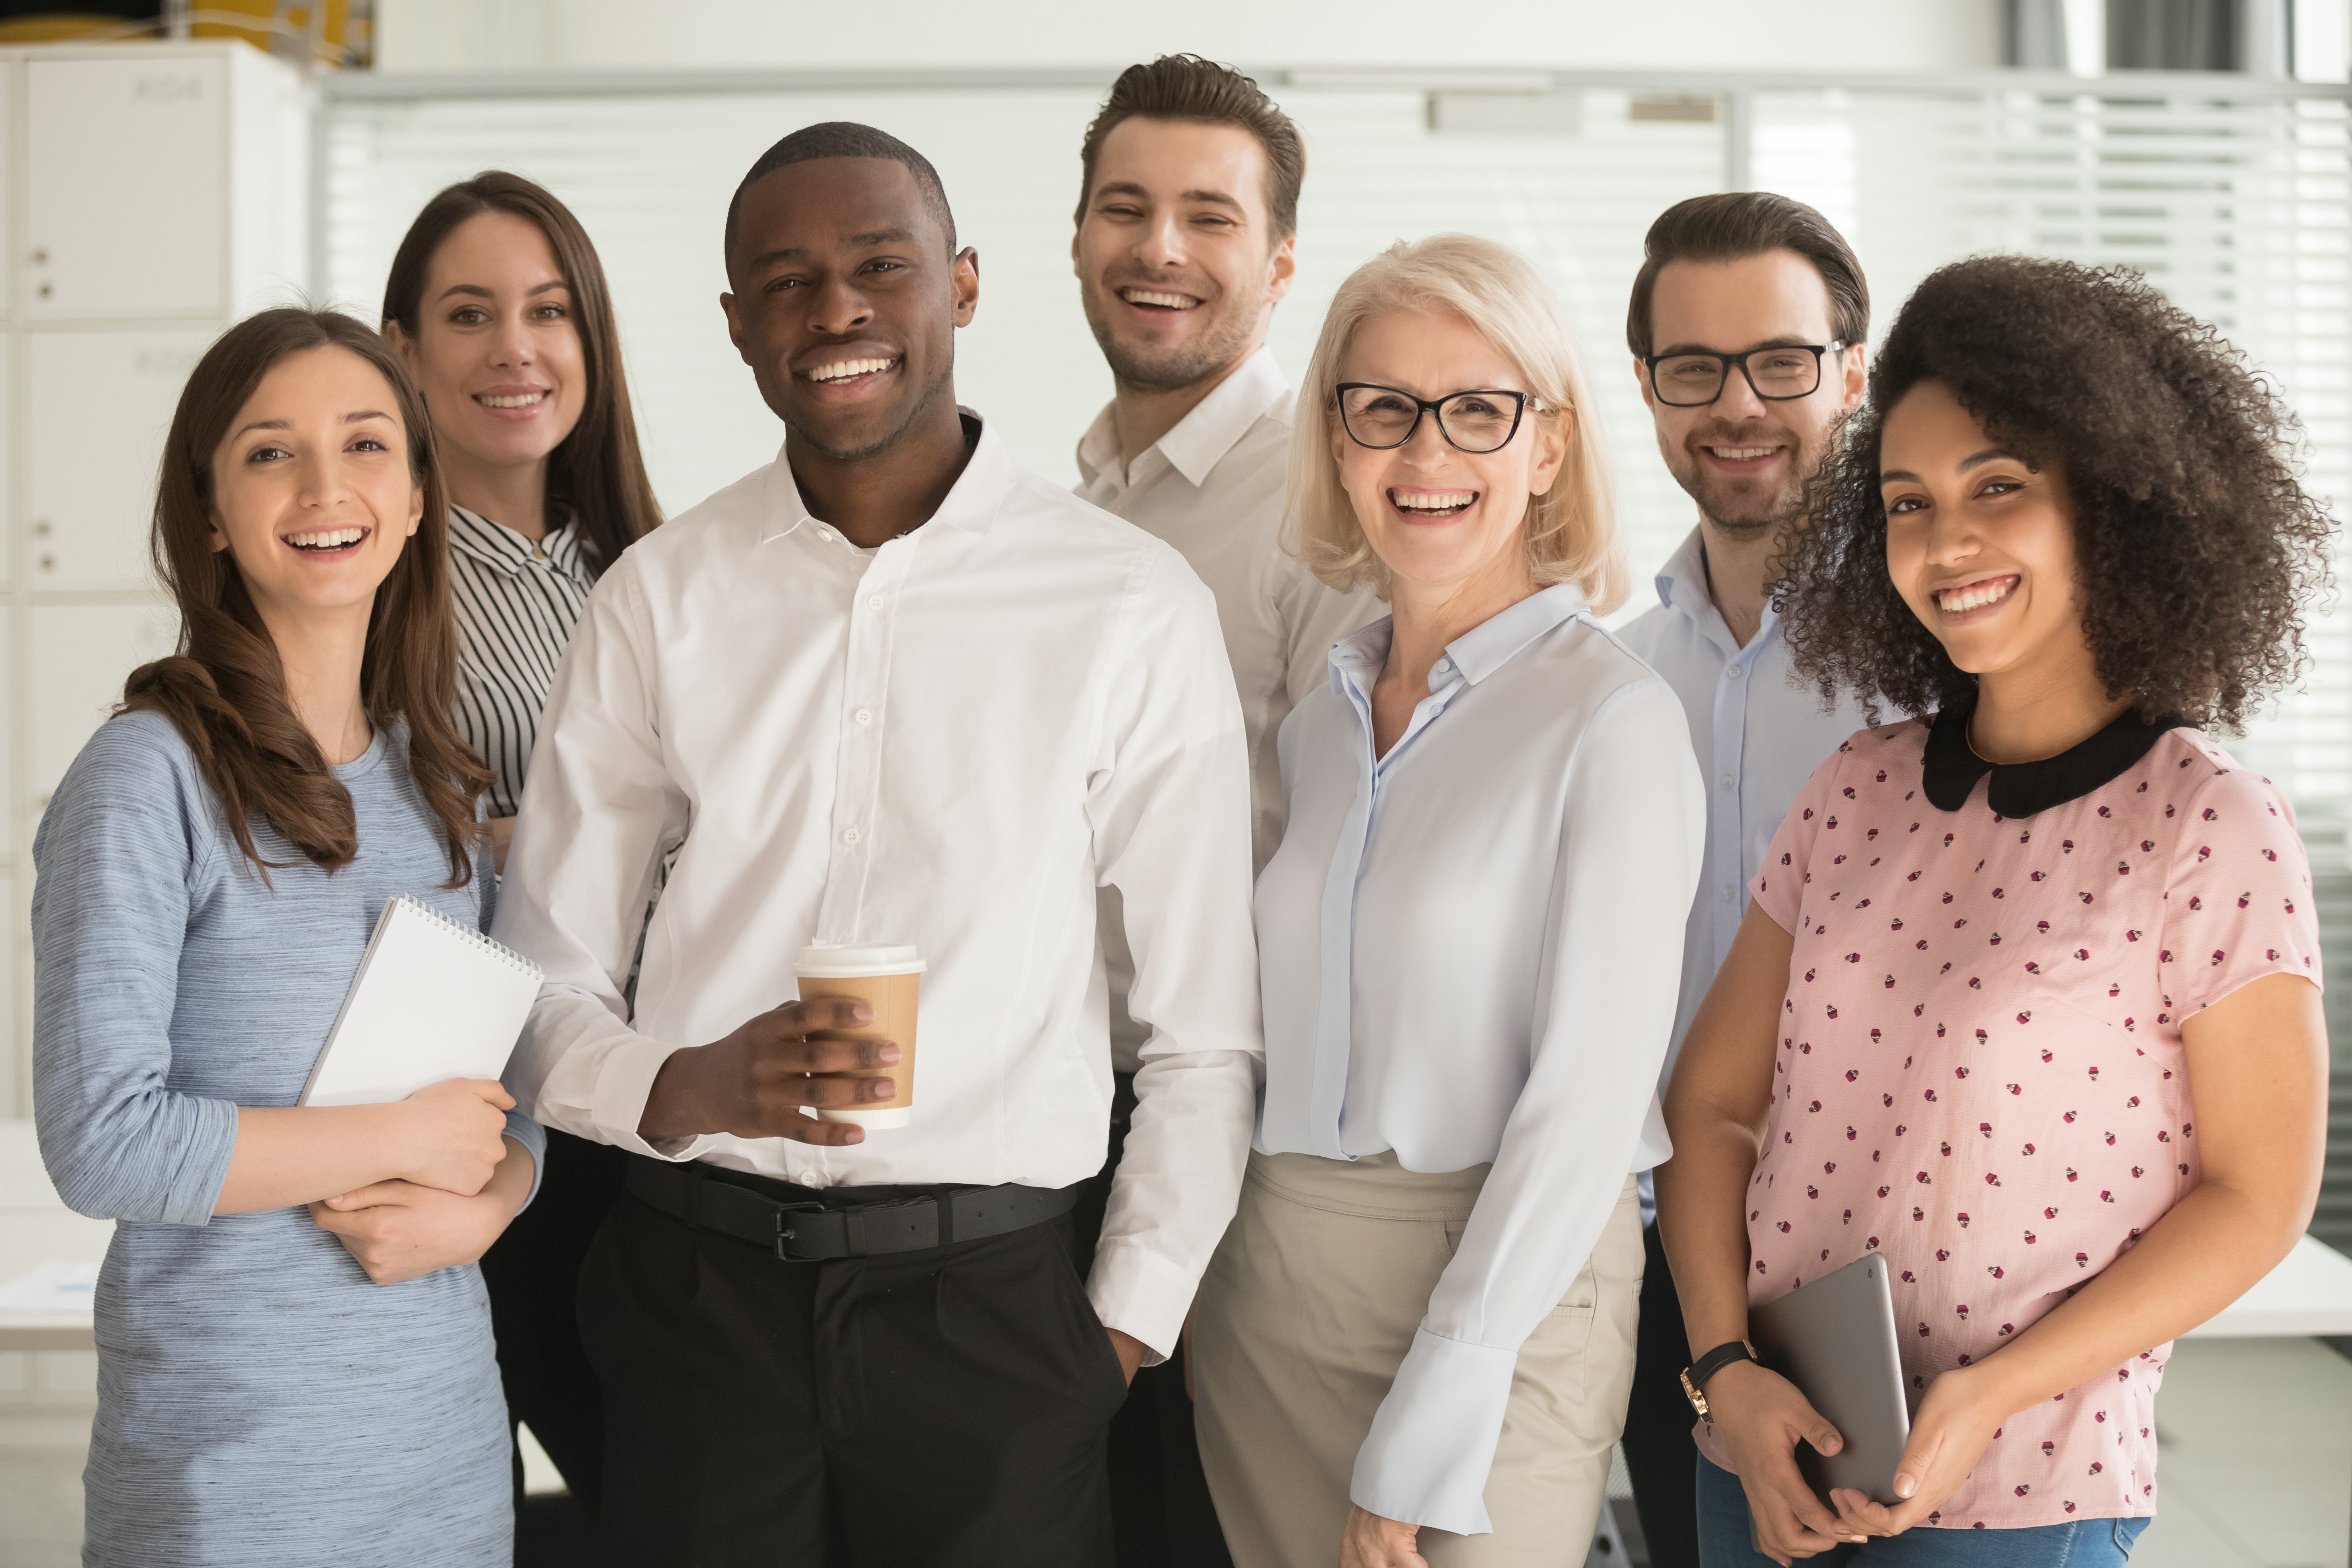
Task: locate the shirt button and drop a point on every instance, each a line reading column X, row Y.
column 863, row 716
column 1726, row 782
column 1443, row 665
column 1728, row 890
column 875, row 603
column 1735, row 672
column 849, row 836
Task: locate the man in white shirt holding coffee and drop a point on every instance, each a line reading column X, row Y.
column 888, row 689
column 1184, row 244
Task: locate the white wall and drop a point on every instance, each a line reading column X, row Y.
column 631, row 35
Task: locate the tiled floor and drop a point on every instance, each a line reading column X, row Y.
column 2255, row 1470
column 2256, row 1466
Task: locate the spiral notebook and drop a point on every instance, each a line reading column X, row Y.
column 433, row 1000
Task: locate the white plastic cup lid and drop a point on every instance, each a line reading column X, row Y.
column 857, row 960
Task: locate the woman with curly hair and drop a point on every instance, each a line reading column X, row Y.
column 2028, row 998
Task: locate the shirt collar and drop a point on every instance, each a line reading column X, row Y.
column 1202, row 438
column 1950, row 768
column 1476, row 653
column 971, row 505
column 501, row 547
column 1682, row 581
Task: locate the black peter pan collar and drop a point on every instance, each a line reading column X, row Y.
column 1950, row 769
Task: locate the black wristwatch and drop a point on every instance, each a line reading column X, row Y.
column 1694, row 1375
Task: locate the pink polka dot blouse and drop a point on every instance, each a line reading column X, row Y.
column 1980, row 1072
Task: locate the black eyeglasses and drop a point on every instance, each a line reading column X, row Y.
column 1384, row 418
column 1777, row 374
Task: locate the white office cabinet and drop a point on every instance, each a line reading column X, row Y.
column 159, row 182
column 79, row 656
column 151, row 195
column 126, row 172
column 93, row 436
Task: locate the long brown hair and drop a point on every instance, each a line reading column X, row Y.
column 225, row 690
column 596, row 473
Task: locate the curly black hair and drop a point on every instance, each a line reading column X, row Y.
column 2197, row 543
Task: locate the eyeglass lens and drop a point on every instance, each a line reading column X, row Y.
column 1690, row 380
column 1472, row 421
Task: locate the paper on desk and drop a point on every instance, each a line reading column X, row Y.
column 51, row 1288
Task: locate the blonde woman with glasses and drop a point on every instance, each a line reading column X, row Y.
column 1415, row 1344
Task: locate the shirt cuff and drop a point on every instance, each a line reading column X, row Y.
column 624, row 1079
column 533, row 1138
column 195, row 1188
column 1140, row 1294
column 1425, row 1461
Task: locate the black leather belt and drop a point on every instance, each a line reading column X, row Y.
column 813, row 1231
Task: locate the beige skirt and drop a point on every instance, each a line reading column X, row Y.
column 1306, row 1312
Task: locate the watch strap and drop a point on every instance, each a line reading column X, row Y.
column 1695, row 1377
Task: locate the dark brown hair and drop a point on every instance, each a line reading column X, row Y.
column 1186, row 86
column 226, row 690
column 1731, row 225
column 2195, row 544
column 597, row 473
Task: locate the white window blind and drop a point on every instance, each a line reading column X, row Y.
column 2236, row 198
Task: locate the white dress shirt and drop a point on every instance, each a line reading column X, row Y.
column 949, row 740
column 1468, row 952
column 1213, row 487
column 1757, row 736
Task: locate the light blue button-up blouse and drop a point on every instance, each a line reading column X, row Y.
column 1469, row 951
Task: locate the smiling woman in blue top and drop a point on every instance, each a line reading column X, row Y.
column 294, row 1348
column 1415, row 1343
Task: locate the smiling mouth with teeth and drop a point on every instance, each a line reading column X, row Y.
column 1433, row 503
column 1975, row 595
column 844, row 370
column 320, row 540
column 1158, row 300
column 511, row 400
column 1741, row 454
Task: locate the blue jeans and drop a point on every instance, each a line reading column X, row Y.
column 1724, row 1540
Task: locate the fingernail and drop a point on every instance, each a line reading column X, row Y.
column 880, row 1087
column 1905, row 1486
column 888, row 1053
column 862, row 1011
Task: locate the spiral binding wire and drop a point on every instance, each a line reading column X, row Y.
column 495, row 948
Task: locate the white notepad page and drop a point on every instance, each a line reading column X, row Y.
column 433, row 1000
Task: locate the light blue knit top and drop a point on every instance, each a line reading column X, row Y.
column 260, row 1402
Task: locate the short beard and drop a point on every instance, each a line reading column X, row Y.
column 890, row 439
column 1218, row 349
column 1778, row 511
column 1745, row 529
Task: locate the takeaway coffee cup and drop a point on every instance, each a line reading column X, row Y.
column 889, row 977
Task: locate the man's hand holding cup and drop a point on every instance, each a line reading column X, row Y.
column 756, row 1082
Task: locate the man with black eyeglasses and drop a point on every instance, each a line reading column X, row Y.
column 1746, row 324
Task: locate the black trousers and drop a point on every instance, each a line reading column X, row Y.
column 1659, row 1454
column 1161, row 1513
column 533, row 1274
column 937, row 1409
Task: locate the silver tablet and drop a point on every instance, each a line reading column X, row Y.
column 1834, row 1339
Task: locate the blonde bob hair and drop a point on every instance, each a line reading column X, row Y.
column 1570, row 532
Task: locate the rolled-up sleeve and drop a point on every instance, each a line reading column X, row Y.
column 113, row 858
column 598, row 812
column 1168, row 802
column 1587, row 1116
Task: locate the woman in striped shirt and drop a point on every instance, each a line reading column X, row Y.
column 499, row 305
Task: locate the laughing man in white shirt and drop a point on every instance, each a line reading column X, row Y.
column 1185, row 242
column 1746, row 324
column 889, row 688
